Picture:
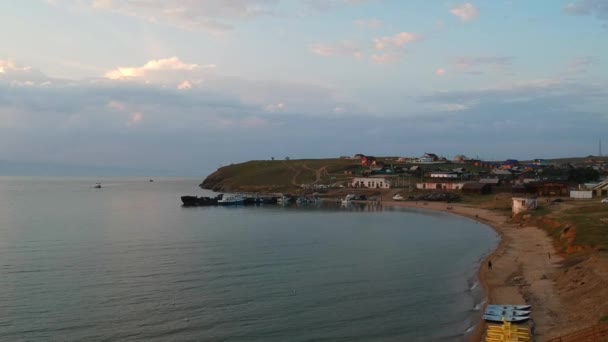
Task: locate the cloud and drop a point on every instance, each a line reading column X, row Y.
column 480, row 64
column 368, row 23
column 597, row 8
column 166, row 64
column 116, row 106
column 385, row 58
column 343, row 48
column 440, row 72
column 397, row 40
column 275, row 107
column 135, row 119
column 214, row 16
column 465, row 12
column 578, row 66
column 184, row 85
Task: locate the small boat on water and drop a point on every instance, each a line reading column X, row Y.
column 231, row 200
column 97, row 186
column 283, row 200
column 497, row 312
column 500, row 318
column 509, row 307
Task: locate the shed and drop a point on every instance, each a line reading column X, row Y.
column 477, row 188
column 521, row 204
column 601, row 189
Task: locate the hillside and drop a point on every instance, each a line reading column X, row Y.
column 279, row 175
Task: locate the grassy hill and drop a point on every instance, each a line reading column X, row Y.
column 279, row 175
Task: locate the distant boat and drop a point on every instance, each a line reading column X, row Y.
column 509, row 307
column 498, row 312
column 231, row 200
column 398, row 197
column 499, row 318
column 97, row 186
column 283, row 200
column 151, row 180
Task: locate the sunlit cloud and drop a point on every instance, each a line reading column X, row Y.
column 368, row 23
column 166, row 64
column 275, row 107
column 397, row 40
column 135, row 119
column 185, row 85
column 343, row 48
column 116, row 106
column 441, row 72
column 465, row 12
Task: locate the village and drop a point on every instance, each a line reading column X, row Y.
column 431, row 173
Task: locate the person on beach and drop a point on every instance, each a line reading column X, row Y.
column 489, row 264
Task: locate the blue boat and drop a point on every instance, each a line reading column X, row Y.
column 499, row 318
column 498, row 312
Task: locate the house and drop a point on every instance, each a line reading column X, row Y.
column 601, row 189
column 548, row 188
column 461, row 159
column 540, row 162
column 428, row 158
column 371, row 182
column 521, row 204
column 367, row 160
column 491, row 181
column 447, row 186
column 509, row 164
column 477, row 188
column 444, row 174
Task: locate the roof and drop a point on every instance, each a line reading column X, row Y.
column 601, row 185
column 494, row 181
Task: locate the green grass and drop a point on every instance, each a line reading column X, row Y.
column 604, row 319
column 590, row 221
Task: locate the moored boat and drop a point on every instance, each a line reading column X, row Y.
column 500, row 318
column 398, row 197
column 231, row 200
column 509, row 307
column 498, row 312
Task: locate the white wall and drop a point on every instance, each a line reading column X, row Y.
column 581, row 194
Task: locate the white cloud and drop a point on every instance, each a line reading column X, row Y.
column 339, row 110
column 368, row 23
column 441, row 72
column 135, row 119
column 325, row 5
column 8, row 65
column 172, row 63
column 184, row 85
column 385, row 58
column 116, row 106
column 343, row 48
column 397, row 40
column 465, row 12
column 275, row 107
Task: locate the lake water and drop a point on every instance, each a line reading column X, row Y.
column 128, row 263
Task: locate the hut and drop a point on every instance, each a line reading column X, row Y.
column 521, row 204
column 477, row 188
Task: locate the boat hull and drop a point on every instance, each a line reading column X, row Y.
column 512, row 319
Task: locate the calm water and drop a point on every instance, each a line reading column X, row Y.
column 127, row 263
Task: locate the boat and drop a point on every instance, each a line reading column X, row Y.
column 509, row 307
column 398, row 197
column 507, row 312
column 97, row 186
column 499, row 318
column 283, row 200
column 231, row 200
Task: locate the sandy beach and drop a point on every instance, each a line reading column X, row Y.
column 527, row 269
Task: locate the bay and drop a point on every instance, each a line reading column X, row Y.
column 127, row 262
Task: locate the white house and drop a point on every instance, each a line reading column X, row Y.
column 445, row 174
column 521, row 204
column 428, row 158
column 439, row 186
column 581, row 194
column 371, row 182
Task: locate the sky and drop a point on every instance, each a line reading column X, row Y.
column 185, row 86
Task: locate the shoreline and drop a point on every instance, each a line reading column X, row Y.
column 497, row 289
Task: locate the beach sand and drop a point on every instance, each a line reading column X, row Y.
column 523, row 266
